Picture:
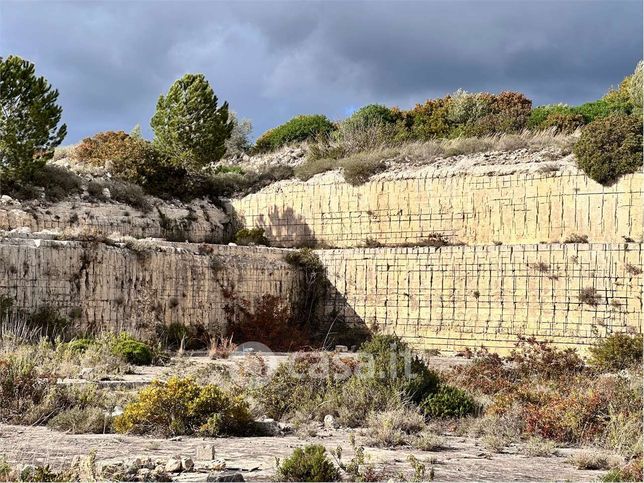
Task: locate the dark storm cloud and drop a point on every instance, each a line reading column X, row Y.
column 272, row 60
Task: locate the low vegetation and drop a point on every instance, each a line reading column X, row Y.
column 309, row 463
column 549, row 393
column 539, row 397
column 181, row 406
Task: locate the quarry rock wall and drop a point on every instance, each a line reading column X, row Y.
column 110, row 287
column 197, row 222
column 406, row 209
column 454, row 297
column 505, row 275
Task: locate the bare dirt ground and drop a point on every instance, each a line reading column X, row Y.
column 254, row 457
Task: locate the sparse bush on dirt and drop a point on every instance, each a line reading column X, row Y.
column 539, row 447
column 428, row 441
column 82, row 420
column 616, row 352
column 308, row 464
column 593, row 460
column 358, row 169
column 132, row 350
column 448, row 402
column 395, row 427
column 181, row 406
column 177, row 335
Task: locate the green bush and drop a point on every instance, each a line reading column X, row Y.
column 370, row 115
column 430, row 120
column 82, row 420
column 616, row 352
column 298, row 129
column 58, row 183
column 308, row 464
column 28, row 120
column 292, row 386
column 181, row 406
column 79, row 345
column 190, row 101
column 602, row 108
column 390, row 357
column 251, row 236
column 510, row 112
column 311, row 167
column 448, row 402
column 562, row 117
column 132, row 350
column 610, row 147
column 360, row 396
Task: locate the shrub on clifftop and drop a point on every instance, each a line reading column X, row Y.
column 300, row 128
column 610, row 147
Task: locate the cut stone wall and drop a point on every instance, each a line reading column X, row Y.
column 196, row 222
column 405, row 209
column 114, row 288
column 455, row 297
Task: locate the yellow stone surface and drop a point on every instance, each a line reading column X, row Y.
column 454, row 297
column 511, row 209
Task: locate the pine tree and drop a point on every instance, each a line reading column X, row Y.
column 187, row 124
column 28, row 119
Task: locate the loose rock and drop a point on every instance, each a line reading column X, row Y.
column 173, row 465
column 229, row 476
column 205, row 452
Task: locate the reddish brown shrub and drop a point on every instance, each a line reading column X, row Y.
column 533, row 358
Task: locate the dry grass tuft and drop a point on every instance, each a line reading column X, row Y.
column 537, row 446
column 394, row 427
column 221, row 347
column 594, row 460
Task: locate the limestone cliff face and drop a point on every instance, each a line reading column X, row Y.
column 473, row 209
column 106, row 287
column 199, row 221
column 454, row 297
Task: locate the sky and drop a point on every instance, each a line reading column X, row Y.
column 110, row 60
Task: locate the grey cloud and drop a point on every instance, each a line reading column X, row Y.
column 272, row 60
